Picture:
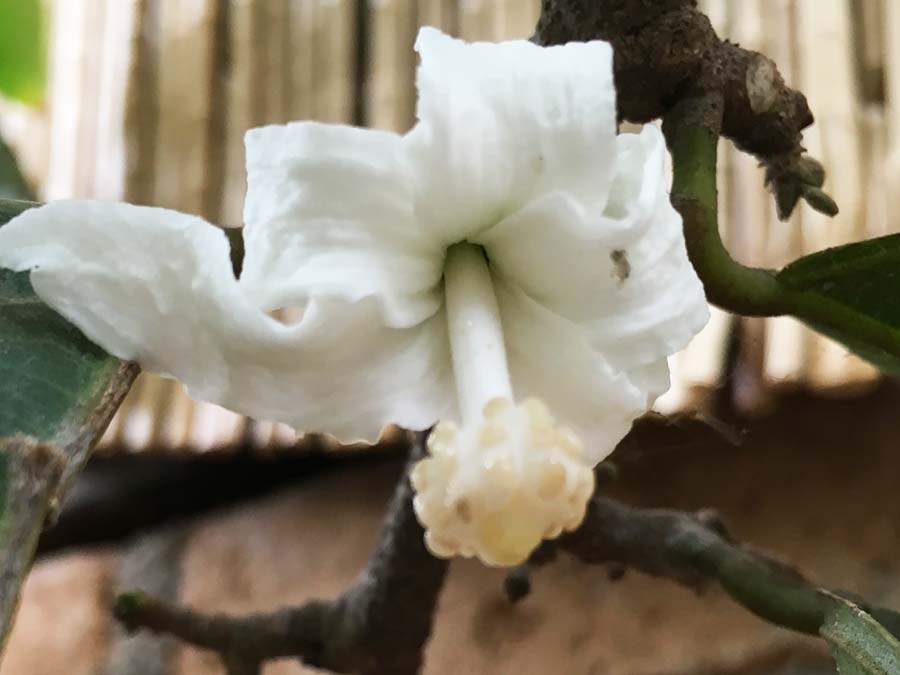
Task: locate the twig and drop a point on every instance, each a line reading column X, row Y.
column 152, row 563
column 691, row 129
column 670, row 63
column 666, row 51
column 693, row 550
column 665, row 47
column 379, row 625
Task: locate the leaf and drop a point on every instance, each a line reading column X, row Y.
column 58, row 392
column 22, row 50
column 861, row 279
column 51, row 376
column 861, row 646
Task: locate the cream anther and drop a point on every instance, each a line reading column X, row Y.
column 498, row 486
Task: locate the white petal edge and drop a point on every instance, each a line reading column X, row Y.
column 623, row 272
column 329, row 212
column 502, row 122
column 156, row 286
column 551, row 359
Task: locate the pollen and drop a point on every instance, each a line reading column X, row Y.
column 495, row 489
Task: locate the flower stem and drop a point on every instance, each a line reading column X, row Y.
column 476, row 334
column 691, row 129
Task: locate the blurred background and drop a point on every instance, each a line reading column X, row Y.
column 784, row 431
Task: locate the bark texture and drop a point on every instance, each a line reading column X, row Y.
column 666, row 50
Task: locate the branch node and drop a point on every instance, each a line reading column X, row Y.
column 666, row 51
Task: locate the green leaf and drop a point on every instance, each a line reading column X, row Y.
column 22, row 50
column 51, row 376
column 861, row 646
column 861, row 281
column 58, row 392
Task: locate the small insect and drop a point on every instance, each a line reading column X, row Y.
column 621, row 266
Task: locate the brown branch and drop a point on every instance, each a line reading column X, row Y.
column 666, row 51
column 379, row 625
column 665, row 47
column 692, row 549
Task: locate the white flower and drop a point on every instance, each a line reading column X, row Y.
column 508, row 257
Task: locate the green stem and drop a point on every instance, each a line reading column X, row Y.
column 772, row 592
column 692, row 134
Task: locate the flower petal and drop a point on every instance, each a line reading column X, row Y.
column 622, row 272
column 329, row 211
column 551, row 359
column 501, row 122
column 156, row 286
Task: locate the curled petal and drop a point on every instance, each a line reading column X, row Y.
column 500, row 123
column 329, row 211
column 156, row 286
column 551, row 358
column 621, row 272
